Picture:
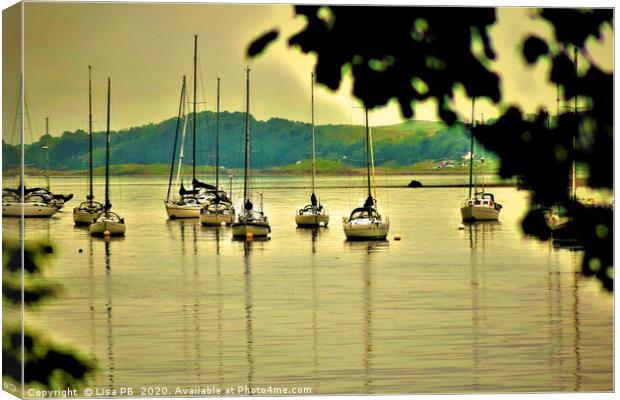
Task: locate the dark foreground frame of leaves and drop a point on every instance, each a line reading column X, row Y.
column 46, row 364
column 414, row 54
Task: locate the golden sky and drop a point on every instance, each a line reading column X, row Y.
column 146, row 48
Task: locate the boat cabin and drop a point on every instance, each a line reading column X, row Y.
column 250, row 216
column 484, row 200
column 218, row 208
column 110, row 216
column 364, row 213
column 311, row 209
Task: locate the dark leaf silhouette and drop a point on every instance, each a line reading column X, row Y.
column 409, row 54
column 257, row 46
column 533, row 48
column 575, row 26
column 413, row 54
column 44, row 363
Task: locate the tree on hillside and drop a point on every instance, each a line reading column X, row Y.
column 415, row 54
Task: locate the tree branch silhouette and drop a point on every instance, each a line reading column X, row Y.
column 416, row 54
column 45, row 363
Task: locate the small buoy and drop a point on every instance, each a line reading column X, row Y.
column 222, row 223
column 80, row 250
column 461, row 226
column 415, row 184
column 106, row 233
column 249, row 236
column 396, row 237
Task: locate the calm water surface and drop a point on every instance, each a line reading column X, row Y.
column 440, row 311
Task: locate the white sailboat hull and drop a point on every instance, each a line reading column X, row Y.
column 216, row 219
column 240, row 229
column 101, row 227
column 183, row 211
column 479, row 213
column 366, row 230
column 312, row 220
column 30, row 210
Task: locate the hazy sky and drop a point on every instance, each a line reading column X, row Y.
column 146, row 48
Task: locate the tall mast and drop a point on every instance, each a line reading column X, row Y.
column 107, row 154
column 217, row 138
column 22, row 152
column 573, row 168
column 185, row 118
column 176, row 137
column 367, row 152
column 194, row 114
column 482, row 158
column 471, row 147
column 313, row 142
column 247, row 136
column 47, row 152
column 90, row 139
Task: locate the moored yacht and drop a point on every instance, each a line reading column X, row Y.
column 23, row 202
column 479, row 205
column 219, row 210
column 365, row 223
column 249, row 223
column 190, row 202
column 29, row 207
column 184, row 204
column 313, row 214
column 87, row 211
column 108, row 222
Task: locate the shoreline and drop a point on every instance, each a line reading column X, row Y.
column 258, row 172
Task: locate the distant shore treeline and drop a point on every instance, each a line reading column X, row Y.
column 275, row 143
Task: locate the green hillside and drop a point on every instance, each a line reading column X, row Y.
column 276, row 143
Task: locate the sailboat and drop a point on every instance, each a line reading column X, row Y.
column 192, row 200
column 57, row 200
column 187, row 205
column 218, row 211
column 365, row 222
column 313, row 214
column 203, row 192
column 88, row 210
column 28, row 202
column 558, row 219
column 38, row 201
column 482, row 205
column 108, row 223
column 19, row 203
column 250, row 222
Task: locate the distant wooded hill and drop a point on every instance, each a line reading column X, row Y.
column 275, row 142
